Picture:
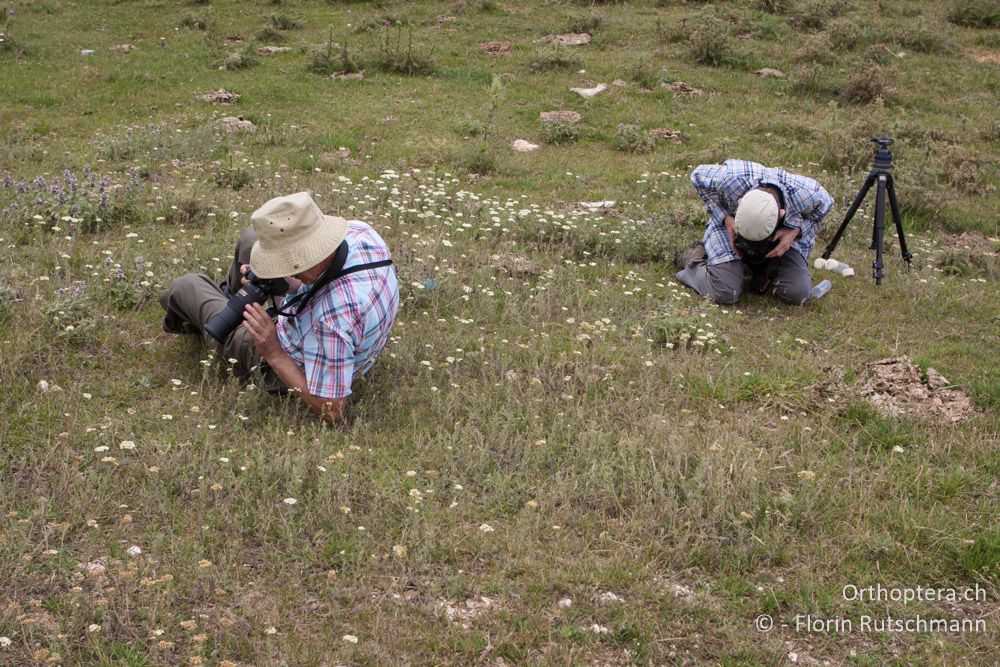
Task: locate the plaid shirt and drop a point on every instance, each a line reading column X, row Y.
column 806, row 203
column 346, row 324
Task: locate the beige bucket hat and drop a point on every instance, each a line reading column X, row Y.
column 756, row 215
column 293, row 235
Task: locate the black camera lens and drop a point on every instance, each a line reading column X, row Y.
column 257, row 290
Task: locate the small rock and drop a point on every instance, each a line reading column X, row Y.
column 347, row 76
column 134, row 551
column 522, row 146
column 42, row 386
column 590, row 92
column 560, row 117
column 599, row 629
column 271, row 50
column 682, row 592
column 220, row 96
column 607, row 597
column 597, row 205
column 569, row 39
column 231, row 124
column 618, row 82
column 87, row 52
column 565, row 603
column 664, row 133
column 767, row 72
column 681, row 89
column 935, row 380
column 123, row 48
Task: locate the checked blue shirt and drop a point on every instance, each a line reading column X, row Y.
column 806, row 203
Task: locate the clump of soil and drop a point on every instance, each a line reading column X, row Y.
column 496, row 48
column 895, row 388
column 681, row 89
column 220, row 96
column 515, row 264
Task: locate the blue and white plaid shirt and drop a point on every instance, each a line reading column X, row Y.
column 806, row 203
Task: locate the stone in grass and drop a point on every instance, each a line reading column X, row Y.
column 590, row 92
column 664, row 133
column 597, row 205
column 123, row 48
column 561, row 116
column 569, row 39
column 347, row 76
column 271, row 50
column 496, row 48
column 231, row 124
column 515, row 264
column 219, row 96
column 768, row 73
column 523, row 146
column 681, row 89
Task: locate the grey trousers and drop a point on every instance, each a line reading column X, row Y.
column 723, row 283
column 195, row 298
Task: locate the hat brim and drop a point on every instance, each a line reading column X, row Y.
column 307, row 253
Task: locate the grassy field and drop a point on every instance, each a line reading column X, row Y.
column 563, row 457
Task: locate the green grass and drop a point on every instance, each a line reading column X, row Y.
column 578, row 407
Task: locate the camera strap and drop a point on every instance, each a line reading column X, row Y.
column 335, row 271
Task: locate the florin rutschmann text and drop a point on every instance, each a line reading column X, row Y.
column 887, row 622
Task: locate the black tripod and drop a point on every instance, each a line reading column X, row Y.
column 882, row 173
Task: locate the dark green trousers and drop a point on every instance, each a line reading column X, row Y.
column 195, row 299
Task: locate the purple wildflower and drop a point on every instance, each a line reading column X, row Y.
column 7, row 180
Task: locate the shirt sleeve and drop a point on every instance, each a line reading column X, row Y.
column 328, row 361
column 809, row 214
column 708, row 181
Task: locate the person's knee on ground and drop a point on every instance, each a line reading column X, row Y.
column 793, row 291
column 793, row 281
column 724, row 288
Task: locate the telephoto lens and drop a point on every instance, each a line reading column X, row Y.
column 257, row 290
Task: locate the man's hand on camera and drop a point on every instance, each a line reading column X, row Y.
column 730, row 223
column 785, row 237
column 262, row 331
column 294, row 284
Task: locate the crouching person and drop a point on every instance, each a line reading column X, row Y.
column 335, row 297
column 763, row 221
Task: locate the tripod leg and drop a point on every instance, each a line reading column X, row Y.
column 869, row 180
column 878, row 231
column 898, row 219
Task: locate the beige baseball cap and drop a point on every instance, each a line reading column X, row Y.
column 756, row 215
column 293, row 235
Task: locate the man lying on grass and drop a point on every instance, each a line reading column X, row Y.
column 342, row 300
column 762, row 220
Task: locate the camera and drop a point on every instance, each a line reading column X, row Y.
column 257, row 290
column 754, row 253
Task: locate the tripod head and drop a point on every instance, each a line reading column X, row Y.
column 883, row 155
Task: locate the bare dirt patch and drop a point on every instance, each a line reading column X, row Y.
column 895, row 388
column 988, row 57
column 496, row 48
